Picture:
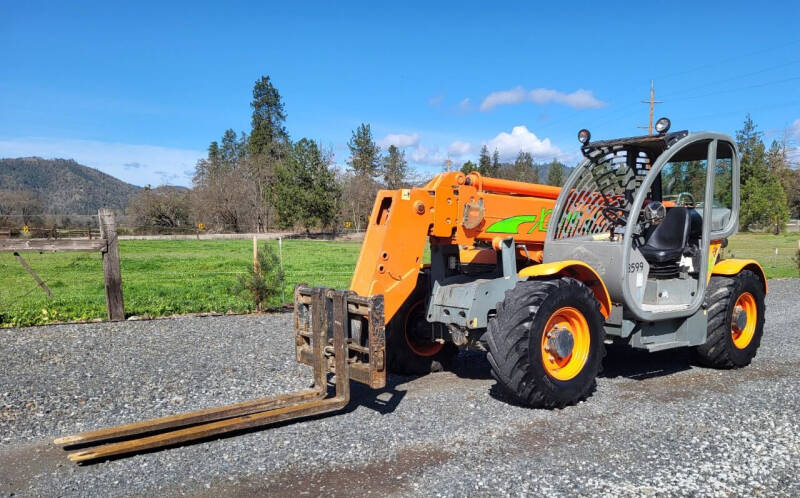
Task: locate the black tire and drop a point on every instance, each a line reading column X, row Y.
column 719, row 350
column 515, row 334
column 402, row 359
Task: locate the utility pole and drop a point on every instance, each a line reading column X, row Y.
column 447, row 163
column 652, row 103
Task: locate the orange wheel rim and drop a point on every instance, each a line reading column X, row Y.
column 419, row 346
column 742, row 335
column 559, row 362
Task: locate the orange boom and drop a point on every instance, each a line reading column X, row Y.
column 452, row 209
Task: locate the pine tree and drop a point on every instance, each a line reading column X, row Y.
column 232, row 149
column 268, row 133
column 468, row 167
column 213, row 151
column 495, row 169
column 364, row 152
column 395, row 168
column 306, row 192
column 484, row 161
column 751, row 147
column 765, row 204
column 555, row 175
column 763, row 198
column 524, row 169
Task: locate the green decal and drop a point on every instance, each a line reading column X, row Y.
column 542, row 225
column 511, row 225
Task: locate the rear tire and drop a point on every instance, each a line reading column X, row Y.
column 407, row 351
column 517, row 336
column 726, row 345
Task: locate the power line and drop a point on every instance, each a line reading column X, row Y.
column 735, row 58
column 732, row 77
column 748, row 87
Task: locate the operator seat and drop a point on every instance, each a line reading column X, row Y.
column 666, row 243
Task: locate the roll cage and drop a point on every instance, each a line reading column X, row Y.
column 616, row 180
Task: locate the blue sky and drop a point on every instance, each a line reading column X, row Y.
column 139, row 90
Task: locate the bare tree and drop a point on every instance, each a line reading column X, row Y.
column 224, row 196
column 163, row 207
column 358, row 196
column 20, row 207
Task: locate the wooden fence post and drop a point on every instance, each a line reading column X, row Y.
column 256, row 268
column 111, row 267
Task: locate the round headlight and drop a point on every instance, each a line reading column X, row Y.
column 662, row 125
column 584, row 136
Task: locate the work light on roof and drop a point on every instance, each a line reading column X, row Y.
column 584, row 136
column 662, row 126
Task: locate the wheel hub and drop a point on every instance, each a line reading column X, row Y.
column 560, row 341
column 739, row 318
column 418, row 333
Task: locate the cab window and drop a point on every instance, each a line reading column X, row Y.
column 683, row 178
column 722, row 203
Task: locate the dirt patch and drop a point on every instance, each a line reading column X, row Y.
column 19, row 465
column 441, row 381
column 699, row 382
column 379, row 478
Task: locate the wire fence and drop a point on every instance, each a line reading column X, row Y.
column 163, row 278
column 25, row 230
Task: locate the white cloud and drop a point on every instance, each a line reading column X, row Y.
column 137, row 164
column 509, row 145
column 427, row 155
column 794, row 129
column 400, row 140
column 435, row 101
column 579, row 99
column 459, row 148
column 465, row 105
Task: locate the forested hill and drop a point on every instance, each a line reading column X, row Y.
column 63, row 186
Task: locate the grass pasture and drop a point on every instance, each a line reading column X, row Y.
column 160, row 277
column 187, row 276
column 761, row 247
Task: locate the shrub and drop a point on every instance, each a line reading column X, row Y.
column 262, row 283
column 796, row 260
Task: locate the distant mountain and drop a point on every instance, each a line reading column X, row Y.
column 64, row 186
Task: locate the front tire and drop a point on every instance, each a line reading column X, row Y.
column 409, row 349
column 735, row 311
column 546, row 342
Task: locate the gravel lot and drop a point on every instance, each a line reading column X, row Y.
column 657, row 425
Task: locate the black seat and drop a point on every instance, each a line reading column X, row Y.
column 667, row 241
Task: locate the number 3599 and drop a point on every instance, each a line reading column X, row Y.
column 634, row 267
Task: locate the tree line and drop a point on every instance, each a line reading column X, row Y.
column 769, row 181
column 263, row 180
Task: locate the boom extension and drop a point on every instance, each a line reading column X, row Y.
column 330, row 350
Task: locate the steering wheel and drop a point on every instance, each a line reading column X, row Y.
column 690, row 203
column 654, row 212
column 612, row 214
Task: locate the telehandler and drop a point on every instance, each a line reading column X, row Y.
column 541, row 277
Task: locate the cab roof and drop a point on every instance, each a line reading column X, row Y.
column 652, row 145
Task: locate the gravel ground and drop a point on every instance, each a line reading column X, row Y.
column 657, row 424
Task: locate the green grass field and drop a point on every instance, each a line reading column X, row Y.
column 160, row 278
column 168, row 277
column 761, row 247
